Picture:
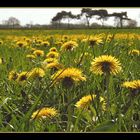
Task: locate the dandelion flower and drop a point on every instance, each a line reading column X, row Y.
column 52, row 55
column 54, row 65
column 109, row 38
column 13, row 75
column 134, row 52
column 38, row 53
column 28, row 40
column 96, row 40
column 106, row 64
column 58, row 43
column 84, row 40
column 1, row 42
column 39, row 41
column 33, row 49
column 65, row 38
column 45, row 43
column 50, row 60
column 36, row 72
column 30, row 56
column 51, row 63
column 1, row 61
column 45, row 112
column 70, row 45
column 53, row 49
column 86, row 101
column 68, row 76
column 132, row 84
column 21, row 43
column 22, row 77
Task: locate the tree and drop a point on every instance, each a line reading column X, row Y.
column 88, row 13
column 29, row 25
column 103, row 15
column 116, row 22
column 57, row 19
column 68, row 16
column 64, row 15
column 12, row 21
column 132, row 23
column 119, row 18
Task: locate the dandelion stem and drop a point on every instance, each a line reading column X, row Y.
column 69, row 111
column 77, row 120
column 107, row 77
column 95, row 108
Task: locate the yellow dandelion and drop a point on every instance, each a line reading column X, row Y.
column 21, row 43
column 22, row 77
column 39, row 41
column 33, row 49
column 24, row 37
column 96, row 40
column 52, row 55
column 30, row 56
column 134, row 52
column 68, row 76
column 86, row 101
column 105, row 64
column 46, row 112
column 38, row 53
column 1, row 42
column 53, row 49
column 1, row 61
column 54, row 65
column 130, row 44
column 58, row 43
column 69, row 46
column 109, row 38
column 28, row 40
column 45, row 43
column 50, row 60
column 36, row 72
column 84, row 40
column 65, row 38
column 13, row 75
column 132, row 84
column 46, row 63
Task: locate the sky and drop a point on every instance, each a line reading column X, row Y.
column 44, row 15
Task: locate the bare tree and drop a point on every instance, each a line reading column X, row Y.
column 12, row 21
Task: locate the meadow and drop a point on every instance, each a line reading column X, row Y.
column 70, row 80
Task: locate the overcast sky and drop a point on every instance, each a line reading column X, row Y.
column 44, row 15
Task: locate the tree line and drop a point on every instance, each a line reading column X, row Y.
column 89, row 13
column 86, row 14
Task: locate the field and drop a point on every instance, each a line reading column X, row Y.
column 70, row 80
